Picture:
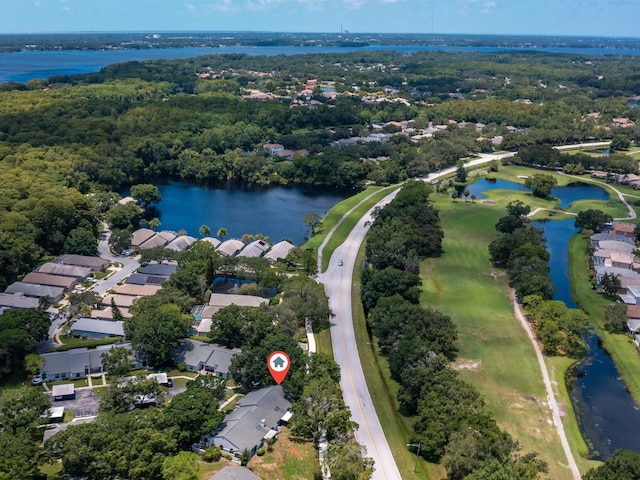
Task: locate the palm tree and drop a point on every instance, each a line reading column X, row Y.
column 222, row 232
column 154, row 223
column 466, row 194
column 473, row 198
column 205, row 231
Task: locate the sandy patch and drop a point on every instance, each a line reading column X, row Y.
column 488, row 202
column 467, row 365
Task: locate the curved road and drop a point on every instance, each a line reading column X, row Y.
column 338, row 283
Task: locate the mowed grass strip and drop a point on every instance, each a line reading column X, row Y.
column 383, row 391
column 495, row 354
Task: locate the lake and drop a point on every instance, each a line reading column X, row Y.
column 609, row 417
column 27, row 65
column 275, row 211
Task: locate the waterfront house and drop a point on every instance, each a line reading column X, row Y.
column 230, row 248
column 279, row 251
column 180, row 243
column 598, row 238
column 140, row 236
column 255, row 249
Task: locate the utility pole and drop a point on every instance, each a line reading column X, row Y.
column 415, row 467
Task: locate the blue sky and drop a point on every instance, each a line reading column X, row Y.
column 508, row 17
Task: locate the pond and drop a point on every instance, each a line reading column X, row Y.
column 275, row 211
column 566, row 194
column 609, row 418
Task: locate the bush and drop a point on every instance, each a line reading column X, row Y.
column 228, row 456
column 212, row 454
column 182, row 366
column 261, row 451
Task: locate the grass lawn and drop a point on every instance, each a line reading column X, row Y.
column 383, row 392
column 495, row 354
column 619, row 346
column 287, row 461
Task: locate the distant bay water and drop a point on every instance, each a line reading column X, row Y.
column 27, row 65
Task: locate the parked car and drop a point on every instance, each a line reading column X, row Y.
column 37, row 380
column 340, row 263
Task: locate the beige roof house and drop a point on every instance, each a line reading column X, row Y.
column 136, row 290
column 94, row 263
column 213, row 241
column 255, row 249
column 52, row 280
column 279, row 251
column 65, row 270
column 230, row 247
column 224, row 300
column 140, row 236
column 121, row 301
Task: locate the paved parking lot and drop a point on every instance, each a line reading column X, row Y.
column 84, row 405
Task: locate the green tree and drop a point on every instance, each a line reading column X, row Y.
column 204, row 231
column 620, row 142
column 610, row 283
column 33, row 363
column 592, row 220
column 116, row 361
column 624, row 465
column 518, row 208
column 222, row 232
column 461, row 172
column 616, row 317
column 183, row 466
column 540, row 184
column 312, row 220
column 23, row 409
column 146, row 193
column 154, row 223
column 347, row 461
column 81, row 241
column 19, row 459
column 155, row 332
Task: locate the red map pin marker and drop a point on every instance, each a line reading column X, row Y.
column 278, row 363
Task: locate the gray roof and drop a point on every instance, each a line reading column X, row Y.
column 155, row 241
column 622, row 272
column 254, row 416
column 254, row 249
column 120, row 300
column 200, row 355
column 615, row 245
column 143, row 279
column 600, row 237
column 34, row 290
column 235, row 473
column 633, row 324
column 136, row 290
column 162, row 269
column 65, row 270
column 95, row 263
column 91, row 325
column 226, row 299
column 279, row 250
column 181, row 243
column 75, row 360
column 63, row 390
column 230, row 247
column 17, row 300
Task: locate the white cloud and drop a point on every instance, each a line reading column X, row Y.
column 37, row 4
column 488, row 6
column 354, row 4
column 190, row 6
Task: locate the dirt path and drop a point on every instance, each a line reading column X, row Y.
column 553, row 404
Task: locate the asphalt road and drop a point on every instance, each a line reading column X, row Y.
column 129, row 265
column 337, row 282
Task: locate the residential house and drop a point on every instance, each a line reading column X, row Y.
column 160, row 239
column 142, row 279
column 598, row 238
column 54, row 294
column 256, row 418
column 235, row 473
column 622, row 229
column 18, row 300
column 205, row 357
column 77, row 362
column 140, row 236
column 120, row 301
column 230, row 248
column 617, row 246
column 107, row 313
column 93, row 328
column 627, row 277
column 279, row 251
column 66, row 283
column 273, row 148
column 94, row 263
column 213, row 241
column 79, row 273
column 159, row 269
column 136, row 290
column 224, row 300
column 255, row 249
column 181, row 243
